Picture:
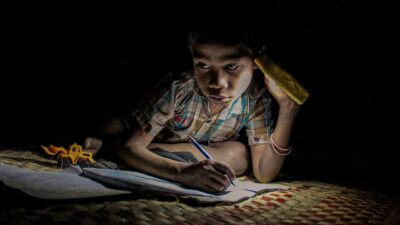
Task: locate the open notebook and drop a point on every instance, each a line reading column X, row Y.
column 131, row 180
column 76, row 182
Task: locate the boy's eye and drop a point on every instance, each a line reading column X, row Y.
column 232, row 67
column 203, row 66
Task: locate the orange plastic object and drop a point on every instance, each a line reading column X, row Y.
column 53, row 150
column 74, row 153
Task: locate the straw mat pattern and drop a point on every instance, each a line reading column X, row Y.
column 306, row 202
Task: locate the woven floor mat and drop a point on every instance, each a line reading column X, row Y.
column 306, row 202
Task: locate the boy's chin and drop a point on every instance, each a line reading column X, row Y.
column 220, row 101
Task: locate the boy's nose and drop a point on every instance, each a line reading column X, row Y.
column 218, row 80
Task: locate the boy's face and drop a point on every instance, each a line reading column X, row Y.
column 222, row 73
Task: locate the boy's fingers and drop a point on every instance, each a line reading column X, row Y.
column 88, row 143
column 92, row 143
column 219, row 177
column 214, row 172
column 269, row 82
column 213, row 187
column 225, row 169
column 217, row 184
column 215, row 177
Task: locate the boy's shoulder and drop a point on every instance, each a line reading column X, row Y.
column 186, row 78
column 182, row 81
column 177, row 84
column 176, row 77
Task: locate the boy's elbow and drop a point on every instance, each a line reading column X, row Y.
column 264, row 177
column 128, row 154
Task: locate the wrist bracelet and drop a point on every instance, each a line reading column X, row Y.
column 279, row 150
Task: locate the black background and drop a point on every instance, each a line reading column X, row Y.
column 64, row 62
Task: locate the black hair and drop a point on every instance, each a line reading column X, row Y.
column 224, row 34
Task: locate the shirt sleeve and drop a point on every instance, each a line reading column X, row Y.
column 154, row 109
column 259, row 127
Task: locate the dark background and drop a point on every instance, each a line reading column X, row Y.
column 65, row 62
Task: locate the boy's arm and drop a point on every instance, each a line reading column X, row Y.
column 136, row 154
column 266, row 162
column 207, row 175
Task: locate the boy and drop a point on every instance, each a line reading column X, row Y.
column 212, row 103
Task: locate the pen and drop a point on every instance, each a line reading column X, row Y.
column 204, row 152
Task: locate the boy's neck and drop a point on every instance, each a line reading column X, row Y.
column 215, row 109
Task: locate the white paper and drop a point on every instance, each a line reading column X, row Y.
column 53, row 185
column 75, row 182
column 140, row 181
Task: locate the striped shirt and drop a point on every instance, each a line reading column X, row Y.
column 175, row 109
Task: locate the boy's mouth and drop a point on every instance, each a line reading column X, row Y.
column 219, row 98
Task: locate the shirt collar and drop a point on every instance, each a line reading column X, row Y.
column 234, row 107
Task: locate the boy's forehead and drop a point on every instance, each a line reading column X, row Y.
column 219, row 52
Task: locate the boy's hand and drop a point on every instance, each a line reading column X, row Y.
column 280, row 96
column 93, row 145
column 207, row 175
